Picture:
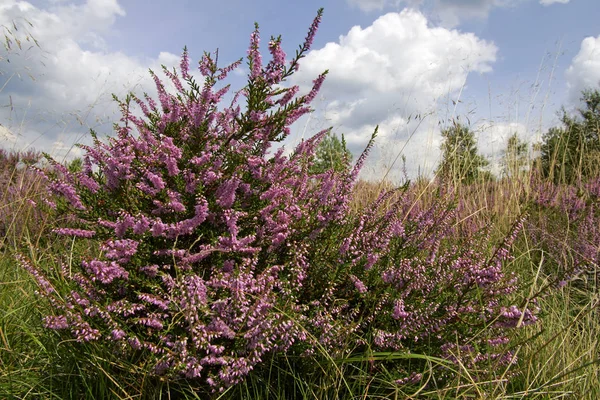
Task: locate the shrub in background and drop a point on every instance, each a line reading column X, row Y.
column 205, row 252
column 19, row 190
column 460, row 161
column 565, row 228
column 570, row 153
column 331, row 153
column 515, row 161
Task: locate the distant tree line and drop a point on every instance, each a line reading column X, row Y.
column 567, row 154
column 571, row 152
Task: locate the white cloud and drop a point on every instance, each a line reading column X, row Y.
column 74, row 74
column 493, row 138
column 548, row 2
column 390, row 72
column 584, row 71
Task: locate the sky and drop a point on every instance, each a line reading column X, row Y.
column 407, row 66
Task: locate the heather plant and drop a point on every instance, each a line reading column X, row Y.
column 559, row 259
column 566, row 230
column 19, row 190
column 565, row 196
column 201, row 252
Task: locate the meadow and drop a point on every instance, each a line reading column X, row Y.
column 187, row 257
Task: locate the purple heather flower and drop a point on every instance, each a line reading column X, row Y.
column 224, row 72
column 120, row 250
column 82, row 233
column 206, row 65
column 153, row 323
column 277, row 53
column 69, row 192
column 312, row 31
column 254, row 54
column 156, row 180
column 315, row 89
column 134, row 343
column 360, row 287
column 226, row 192
column 84, row 332
column 413, row 379
column 150, row 270
column 288, row 96
column 399, row 311
column 163, row 304
column 40, row 278
column 498, row 341
column 117, row 334
column 56, row 322
column 105, row 272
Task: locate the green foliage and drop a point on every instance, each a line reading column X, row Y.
column 571, row 152
column 515, row 156
column 460, row 160
column 75, row 166
column 331, row 153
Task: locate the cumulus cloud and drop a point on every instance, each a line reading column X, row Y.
column 584, row 71
column 493, row 138
column 395, row 73
column 73, row 75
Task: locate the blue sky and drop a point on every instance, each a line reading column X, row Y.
column 508, row 65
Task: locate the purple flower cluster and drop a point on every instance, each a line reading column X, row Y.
column 566, row 228
column 20, row 190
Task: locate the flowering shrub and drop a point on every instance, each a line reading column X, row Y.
column 19, row 189
column 217, row 251
column 570, row 213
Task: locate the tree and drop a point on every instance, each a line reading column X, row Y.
column 75, row 165
column 460, row 160
column 331, row 154
column 515, row 156
column 571, row 152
